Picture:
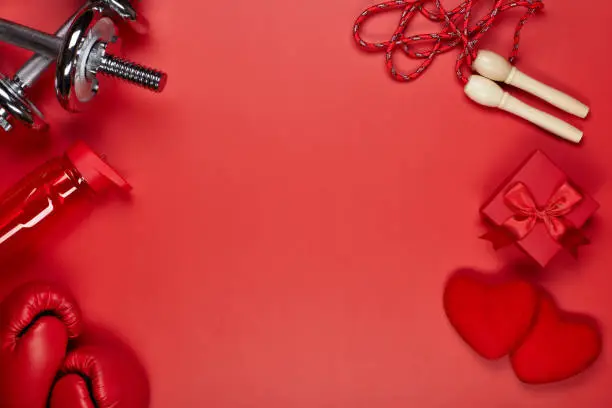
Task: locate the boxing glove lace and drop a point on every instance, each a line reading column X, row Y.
column 36, row 321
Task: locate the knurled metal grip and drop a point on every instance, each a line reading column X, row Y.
column 86, row 51
column 74, row 85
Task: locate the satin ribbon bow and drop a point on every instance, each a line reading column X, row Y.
column 526, row 214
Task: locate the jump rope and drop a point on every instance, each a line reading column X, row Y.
column 458, row 31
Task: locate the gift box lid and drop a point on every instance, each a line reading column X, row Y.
column 542, row 177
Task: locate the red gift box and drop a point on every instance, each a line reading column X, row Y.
column 538, row 209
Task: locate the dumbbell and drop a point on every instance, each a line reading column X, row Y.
column 13, row 102
column 83, row 53
column 127, row 13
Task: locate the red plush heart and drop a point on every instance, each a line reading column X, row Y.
column 492, row 317
column 559, row 346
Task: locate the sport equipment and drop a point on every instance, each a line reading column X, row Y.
column 36, row 321
column 95, row 376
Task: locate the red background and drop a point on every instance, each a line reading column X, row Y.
column 295, row 212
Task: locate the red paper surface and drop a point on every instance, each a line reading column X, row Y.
column 295, row 212
column 542, row 177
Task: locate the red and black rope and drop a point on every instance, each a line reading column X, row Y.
column 456, row 31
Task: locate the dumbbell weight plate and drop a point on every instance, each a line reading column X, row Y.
column 19, row 107
column 73, row 84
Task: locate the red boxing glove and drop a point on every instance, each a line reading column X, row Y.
column 100, row 377
column 36, row 321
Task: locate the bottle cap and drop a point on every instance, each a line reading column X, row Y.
column 96, row 172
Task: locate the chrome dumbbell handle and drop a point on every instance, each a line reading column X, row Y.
column 30, row 39
column 29, row 73
column 13, row 102
column 51, row 46
column 37, row 64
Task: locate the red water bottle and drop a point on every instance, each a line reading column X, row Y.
column 42, row 192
